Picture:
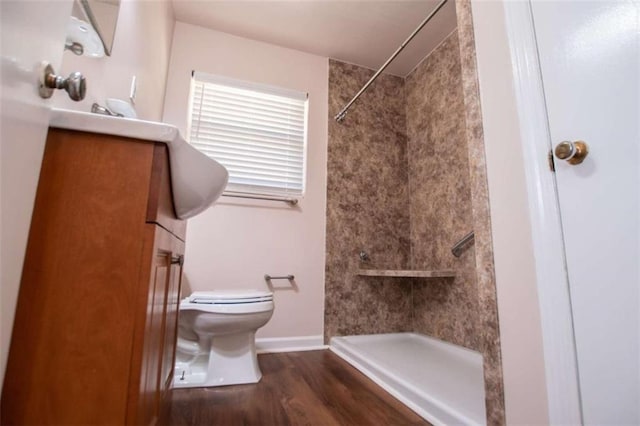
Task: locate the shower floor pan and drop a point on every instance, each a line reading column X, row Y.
column 441, row 382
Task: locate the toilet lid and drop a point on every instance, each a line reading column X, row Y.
column 230, row 296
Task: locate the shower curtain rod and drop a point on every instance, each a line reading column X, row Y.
column 343, row 112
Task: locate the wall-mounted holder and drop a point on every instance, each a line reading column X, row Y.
column 289, row 286
column 268, row 277
column 406, row 273
column 461, row 244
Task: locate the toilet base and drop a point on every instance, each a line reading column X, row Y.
column 232, row 360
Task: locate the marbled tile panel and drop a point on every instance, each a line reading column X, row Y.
column 368, row 192
column 366, row 205
column 488, row 326
column 440, row 198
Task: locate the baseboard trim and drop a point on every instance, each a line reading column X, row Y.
column 290, row 344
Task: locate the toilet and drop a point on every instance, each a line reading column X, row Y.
column 216, row 337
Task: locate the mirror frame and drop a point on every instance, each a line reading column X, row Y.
column 86, row 8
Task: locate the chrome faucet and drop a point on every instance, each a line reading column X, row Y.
column 98, row 109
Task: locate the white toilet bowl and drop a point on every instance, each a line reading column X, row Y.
column 216, row 337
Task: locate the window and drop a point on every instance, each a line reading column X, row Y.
column 257, row 132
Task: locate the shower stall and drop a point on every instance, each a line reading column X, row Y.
column 406, row 185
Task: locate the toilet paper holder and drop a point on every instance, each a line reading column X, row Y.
column 268, row 277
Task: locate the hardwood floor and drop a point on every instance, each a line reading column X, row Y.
column 297, row 388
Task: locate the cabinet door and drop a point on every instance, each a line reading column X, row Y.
column 171, row 320
column 160, row 325
column 154, row 331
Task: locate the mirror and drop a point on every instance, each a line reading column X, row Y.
column 103, row 17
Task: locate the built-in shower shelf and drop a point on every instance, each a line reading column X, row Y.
column 406, row 273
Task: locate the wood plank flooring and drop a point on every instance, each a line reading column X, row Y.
column 297, row 388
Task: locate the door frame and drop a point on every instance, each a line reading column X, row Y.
column 560, row 356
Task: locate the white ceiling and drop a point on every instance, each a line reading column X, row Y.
column 360, row 32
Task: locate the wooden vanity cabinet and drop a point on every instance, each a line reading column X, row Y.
column 95, row 327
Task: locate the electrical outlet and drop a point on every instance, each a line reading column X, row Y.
column 133, row 90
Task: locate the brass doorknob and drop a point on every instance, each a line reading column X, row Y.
column 573, row 152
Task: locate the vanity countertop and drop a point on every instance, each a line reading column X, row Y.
column 116, row 126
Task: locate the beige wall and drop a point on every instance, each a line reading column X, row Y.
column 141, row 47
column 236, row 242
column 520, row 327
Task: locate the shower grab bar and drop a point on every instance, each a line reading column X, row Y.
column 268, row 277
column 288, row 200
column 343, row 112
column 456, row 250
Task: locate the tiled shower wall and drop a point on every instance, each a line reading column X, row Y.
column 402, row 171
column 367, row 199
column 398, row 188
column 440, row 197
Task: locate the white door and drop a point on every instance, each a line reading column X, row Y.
column 31, row 31
column 589, row 56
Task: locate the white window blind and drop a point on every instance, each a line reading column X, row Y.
column 257, row 132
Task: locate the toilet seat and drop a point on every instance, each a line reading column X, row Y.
column 225, row 297
column 229, row 302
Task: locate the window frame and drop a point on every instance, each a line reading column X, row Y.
column 263, row 89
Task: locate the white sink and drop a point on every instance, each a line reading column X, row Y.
column 196, row 180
